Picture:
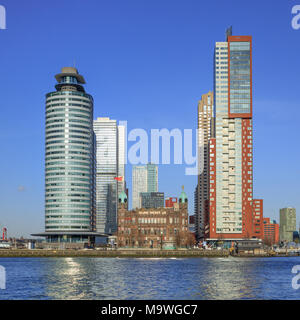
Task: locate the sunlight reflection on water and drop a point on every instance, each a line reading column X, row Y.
column 149, row 278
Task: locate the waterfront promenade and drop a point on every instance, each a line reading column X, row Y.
column 127, row 253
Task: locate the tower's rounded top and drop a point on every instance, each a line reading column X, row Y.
column 122, row 197
column 69, row 72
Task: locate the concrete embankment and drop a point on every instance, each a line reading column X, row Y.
column 113, row 253
column 129, row 253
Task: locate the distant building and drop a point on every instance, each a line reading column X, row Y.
column 287, row 224
column 271, row 231
column 258, row 219
column 205, row 131
column 152, row 199
column 170, row 201
column 144, row 179
column 139, row 184
column 296, row 236
column 152, row 177
column 161, row 228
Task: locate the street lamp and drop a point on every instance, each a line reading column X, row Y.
column 161, row 240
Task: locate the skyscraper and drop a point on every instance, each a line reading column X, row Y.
column 230, row 211
column 110, row 164
column 69, row 207
column 139, row 184
column 152, row 177
column 205, row 127
column 144, row 179
column 287, row 224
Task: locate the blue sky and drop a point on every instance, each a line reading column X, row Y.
column 147, row 62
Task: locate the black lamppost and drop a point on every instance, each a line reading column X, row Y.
column 161, row 240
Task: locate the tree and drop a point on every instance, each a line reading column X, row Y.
column 191, row 240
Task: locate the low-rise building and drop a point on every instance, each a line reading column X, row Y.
column 157, row 228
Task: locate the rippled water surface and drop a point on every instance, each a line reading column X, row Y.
column 113, row 278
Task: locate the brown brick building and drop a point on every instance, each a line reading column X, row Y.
column 160, row 228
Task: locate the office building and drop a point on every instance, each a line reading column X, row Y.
column 152, row 177
column 152, row 199
column 205, row 131
column 231, row 180
column 144, row 179
column 69, row 162
column 139, row 184
column 287, row 224
column 110, row 172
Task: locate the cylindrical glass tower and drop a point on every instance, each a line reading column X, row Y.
column 69, row 161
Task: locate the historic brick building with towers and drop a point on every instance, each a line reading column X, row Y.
column 157, row 228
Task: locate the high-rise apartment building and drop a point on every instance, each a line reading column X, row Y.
column 69, row 161
column 287, row 224
column 144, row 179
column 110, row 164
column 231, row 181
column 205, row 128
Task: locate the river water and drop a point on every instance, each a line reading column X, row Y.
column 149, row 278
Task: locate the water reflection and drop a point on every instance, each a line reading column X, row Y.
column 113, row 278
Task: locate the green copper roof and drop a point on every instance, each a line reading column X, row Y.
column 183, row 197
column 122, row 197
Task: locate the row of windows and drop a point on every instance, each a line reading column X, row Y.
column 71, row 184
column 67, row 227
column 49, row 158
column 69, row 147
column 50, row 105
column 67, row 216
column 67, row 221
column 71, row 115
column 63, row 125
column 84, row 133
column 67, row 206
column 68, row 152
column 64, row 110
column 68, row 99
column 69, row 93
column 88, row 123
column 66, row 179
column 67, row 174
column 68, row 189
column 67, row 200
column 69, row 168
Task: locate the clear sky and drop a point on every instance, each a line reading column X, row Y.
column 147, row 62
